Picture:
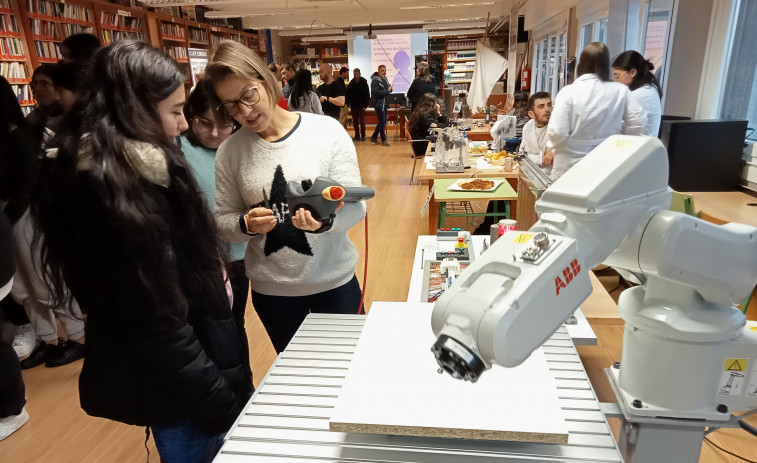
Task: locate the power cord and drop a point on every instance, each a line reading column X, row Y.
column 361, row 309
column 707, row 439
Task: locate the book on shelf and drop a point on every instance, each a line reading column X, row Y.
column 5, row 4
column 23, row 94
column 8, row 23
column 176, row 52
column 59, row 10
column 198, row 35
column 174, row 30
column 13, row 70
column 110, row 36
column 119, row 21
column 50, row 50
column 11, row 46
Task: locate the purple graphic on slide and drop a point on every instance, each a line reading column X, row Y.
column 401, row 82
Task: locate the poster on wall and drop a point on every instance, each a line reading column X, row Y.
column 198, row 59
column 393, row 51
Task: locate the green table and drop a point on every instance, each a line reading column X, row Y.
column 442, row 194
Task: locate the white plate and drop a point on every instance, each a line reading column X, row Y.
column 456, row 186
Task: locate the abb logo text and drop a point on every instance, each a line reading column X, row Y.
column 568, row 274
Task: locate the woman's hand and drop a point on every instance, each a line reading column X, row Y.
column 260, row 220
column 304, row 220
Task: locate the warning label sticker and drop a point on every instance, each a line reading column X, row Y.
column 733, row 377
column 523, row 238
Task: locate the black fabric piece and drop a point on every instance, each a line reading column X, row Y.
column 18, row 162
column 284, row 234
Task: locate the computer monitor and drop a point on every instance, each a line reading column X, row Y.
column 704, row 155
column 397, row 99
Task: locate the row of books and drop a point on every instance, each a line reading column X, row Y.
column 110, row 36
column 48, row 49
column 5, row 4
column 334, row 51
column 117, row 20
column 13, row 70
column 8, row 23
column 59, row 10
column 55, row 29
column 237, row 38
column 176, row 52
column 462, row 76
column 11, row 46
column 23, row 93
column 173, row 29
column 199, row 35
column 462, row 44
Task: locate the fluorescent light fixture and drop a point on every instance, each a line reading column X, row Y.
column 453, row 20
column 446, row 5
column 455, row 32
column 289, row 33
column 434, row 27
column 231, row 14
column 325, row 38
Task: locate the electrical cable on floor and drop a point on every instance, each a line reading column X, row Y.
column 360, row 309
column 748, row 427
column 707, row 439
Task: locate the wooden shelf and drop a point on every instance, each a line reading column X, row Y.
column 56, row 19
column 461, row 60
column 15, row 35
column 122, row 29
column 19, row 81
column 464, row 70
column 459, row 81
column 12, row 58
column 174, row 38
column 6, row 10
column 46, row 38
column 43, row 59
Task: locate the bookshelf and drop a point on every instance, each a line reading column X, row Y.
column 15, row 64
column 217, row 34
column 460, row 61
column 172, row 33
column 48, row 22
column 251, row 41
column 198, row 35
column 119, row 23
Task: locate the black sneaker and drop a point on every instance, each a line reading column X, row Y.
column 355, row 138
column 37, row 357
column 374, row 140
column 64, row 353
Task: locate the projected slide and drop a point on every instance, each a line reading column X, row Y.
column 393, row 51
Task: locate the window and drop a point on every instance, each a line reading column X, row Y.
column 602, row 30
column 655, row 31
column 740, row 92
column 587, row 36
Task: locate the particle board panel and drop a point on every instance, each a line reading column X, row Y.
column 392, row 387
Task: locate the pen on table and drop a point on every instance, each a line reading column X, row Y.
column 265, row 200
column 423, row 252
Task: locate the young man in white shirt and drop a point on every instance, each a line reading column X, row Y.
column 534, row 142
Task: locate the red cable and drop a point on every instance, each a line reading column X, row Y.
column 365, row 270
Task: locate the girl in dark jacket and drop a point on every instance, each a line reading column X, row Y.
column 127, row 229
column 425, row 114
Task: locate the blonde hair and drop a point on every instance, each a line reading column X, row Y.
column 233, row 59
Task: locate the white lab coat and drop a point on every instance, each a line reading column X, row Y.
column 586, row 113
column 651, row 109
column 533, row 145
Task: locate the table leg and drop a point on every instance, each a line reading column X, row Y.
column 442, row 215
column 433, row 211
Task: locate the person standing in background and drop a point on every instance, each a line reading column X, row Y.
column 534, row 143
column 288, row 71
column 79, row 48
column 47, row 112
column 380, row 90
column 332, row 92
column 520, row 111
column 303, row 98
column 633, row 70
column 358, row 97
column 588, row 111
column 422, row 84
column 344, row 78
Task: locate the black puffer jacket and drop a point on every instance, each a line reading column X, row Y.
column 153, row 356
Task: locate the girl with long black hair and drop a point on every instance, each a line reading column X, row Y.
column 632, row 69
column 425, row 114
column 127, row 229
column 303, row 98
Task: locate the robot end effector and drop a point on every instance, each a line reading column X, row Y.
column 611, row 207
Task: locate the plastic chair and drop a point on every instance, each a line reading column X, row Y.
column 416, row 146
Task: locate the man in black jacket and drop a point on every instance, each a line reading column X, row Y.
column 358, row 97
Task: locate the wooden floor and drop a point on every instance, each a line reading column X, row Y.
column 60, row 431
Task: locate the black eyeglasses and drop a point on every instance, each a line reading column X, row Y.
column 249, row 98
column 207, row 126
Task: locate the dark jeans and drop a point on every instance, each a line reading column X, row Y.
column 282, row 315
column 12, row 392
column 240, row 288
column 381, row 126
column 185, row 441
column 358, row 121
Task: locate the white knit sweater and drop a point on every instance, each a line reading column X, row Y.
column 288, row 261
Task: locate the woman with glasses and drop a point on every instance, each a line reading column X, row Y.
column 47, row 112
column 588, row 111
column 303, row 99
column 295, row 263
column 208, row 128
column 128, row 230
column 633, row 70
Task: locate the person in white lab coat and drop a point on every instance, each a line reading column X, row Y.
column 632, row 69
column 534, row 143
column 588, row 111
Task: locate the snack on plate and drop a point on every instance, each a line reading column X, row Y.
column 477, row 150
column 477, row 184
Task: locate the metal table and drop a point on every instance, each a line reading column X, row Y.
column 287, row 419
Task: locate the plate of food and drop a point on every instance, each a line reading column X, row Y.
column 475, row 184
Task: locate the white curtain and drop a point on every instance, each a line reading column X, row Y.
column 490, row 65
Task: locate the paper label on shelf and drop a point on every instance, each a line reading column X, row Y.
column 124, row 13
column 733, row 377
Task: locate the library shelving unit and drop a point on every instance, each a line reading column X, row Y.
column 173, row 37
column 217, row 34
column 251, row 41
column 236, row 36
column 198, row 35
column 48, row 22
column 460, row 61
column 15, row 62
column 263, row 47
column 118, row 23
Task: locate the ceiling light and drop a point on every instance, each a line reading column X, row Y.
column 433, row 27
column 325, row 38
column 287, row 33
column 228, row 14
column 446, row 5
column 453, row 20
column 445, row 32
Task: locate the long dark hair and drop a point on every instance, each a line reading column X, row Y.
column 198, row 103
column 426, row 105
column 10, row 115
column 631, row 59
column 303, row 85
column 595, row 59
column 118, row 105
